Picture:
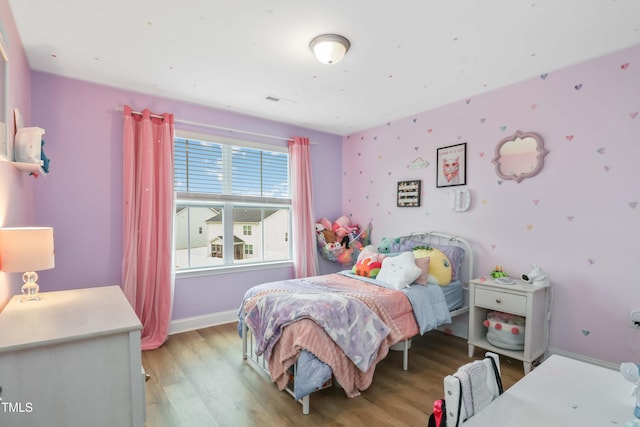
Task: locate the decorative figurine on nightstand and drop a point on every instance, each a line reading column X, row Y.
column 537, row 277
column 499, row 276
column 631, row 372
column 498, row 272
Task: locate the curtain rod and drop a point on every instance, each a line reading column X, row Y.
column 185, row 122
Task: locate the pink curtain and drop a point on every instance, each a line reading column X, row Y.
column 304, row 241
column 148, row 211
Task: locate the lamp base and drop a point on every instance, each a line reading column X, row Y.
column 30, row 288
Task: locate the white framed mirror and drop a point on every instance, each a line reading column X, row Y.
column 5, row 128
column 520, row 156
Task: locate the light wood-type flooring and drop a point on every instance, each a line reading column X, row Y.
column 199, row 378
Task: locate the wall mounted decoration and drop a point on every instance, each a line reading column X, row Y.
column 452, row 165
column 520, row 156
column 418, row 163
column 461, row 200
column 409, row 193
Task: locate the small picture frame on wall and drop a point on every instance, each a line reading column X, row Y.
column 451, row 169
column 409, row 193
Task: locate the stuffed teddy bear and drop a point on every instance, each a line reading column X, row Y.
column 327, row 233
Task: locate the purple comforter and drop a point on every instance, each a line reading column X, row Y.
column 337, row 314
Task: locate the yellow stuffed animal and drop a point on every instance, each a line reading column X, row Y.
column 440, row 271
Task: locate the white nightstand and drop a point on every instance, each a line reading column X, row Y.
column 522, row 299
column 71, row 359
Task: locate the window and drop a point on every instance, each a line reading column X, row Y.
column 233, row 203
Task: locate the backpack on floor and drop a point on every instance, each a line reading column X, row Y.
column 439, row 416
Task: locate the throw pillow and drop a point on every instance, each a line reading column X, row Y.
column 399, row 271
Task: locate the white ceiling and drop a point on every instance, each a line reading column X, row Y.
column 407, row 56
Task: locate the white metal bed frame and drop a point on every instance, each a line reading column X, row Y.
column 466, row 274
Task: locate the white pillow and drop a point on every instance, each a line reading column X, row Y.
column 399, row 271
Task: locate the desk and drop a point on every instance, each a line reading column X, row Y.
column 561, row 392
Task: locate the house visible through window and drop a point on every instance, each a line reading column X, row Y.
column 233, row 203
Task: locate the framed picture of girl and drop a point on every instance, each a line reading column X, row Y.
column 451, row 169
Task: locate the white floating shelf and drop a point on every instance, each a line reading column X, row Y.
column 30, row 167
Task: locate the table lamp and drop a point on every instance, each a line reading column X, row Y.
column 27, row 249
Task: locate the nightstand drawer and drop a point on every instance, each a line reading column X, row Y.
column 501, row 301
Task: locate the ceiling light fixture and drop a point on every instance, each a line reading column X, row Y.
column 329, row 48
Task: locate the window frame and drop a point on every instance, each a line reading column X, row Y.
column 228, row 202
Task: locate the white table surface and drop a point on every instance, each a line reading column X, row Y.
column 562, row 392
column 64, row 316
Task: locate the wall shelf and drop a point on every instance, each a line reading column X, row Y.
column 30, row 167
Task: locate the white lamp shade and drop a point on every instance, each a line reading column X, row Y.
column 26, row 249
column 329, row 48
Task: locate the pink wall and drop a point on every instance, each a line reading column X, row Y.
column 579, row 218
column 16, row 188
column 82, row 196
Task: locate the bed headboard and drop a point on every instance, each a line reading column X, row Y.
column 444, row 239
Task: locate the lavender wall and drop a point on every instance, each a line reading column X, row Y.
column 579, row 218
column 82, row 196
column 16, row 188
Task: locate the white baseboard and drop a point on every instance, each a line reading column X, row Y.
column 200, row 322
column 553, row 350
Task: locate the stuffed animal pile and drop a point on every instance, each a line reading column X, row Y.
column 339, row 234
column 341, row 241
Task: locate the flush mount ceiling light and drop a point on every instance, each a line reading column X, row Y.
column 329, row 48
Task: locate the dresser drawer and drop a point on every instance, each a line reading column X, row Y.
column 501, row 301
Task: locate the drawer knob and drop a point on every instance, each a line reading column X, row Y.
column 498, row 300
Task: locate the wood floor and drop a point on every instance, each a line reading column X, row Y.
column 198, row 378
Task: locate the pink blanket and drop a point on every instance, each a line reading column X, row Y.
column 391, row 306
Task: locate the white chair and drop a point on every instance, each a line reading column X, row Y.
column 472, row 388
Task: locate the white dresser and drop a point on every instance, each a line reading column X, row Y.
column 71, row 359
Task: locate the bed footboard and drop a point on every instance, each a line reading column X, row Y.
column 262, row 365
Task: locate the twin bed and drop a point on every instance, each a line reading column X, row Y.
column 309, row 333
